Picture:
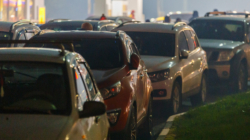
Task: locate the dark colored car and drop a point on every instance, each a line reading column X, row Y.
column 121, row 76
column 20, row 30
column 116, row 19
column 226, row 42
column 60, row 25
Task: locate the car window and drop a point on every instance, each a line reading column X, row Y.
column 195, row 38
column 119, row 21
column 109, row 28
column 81, row 90
column 103, row 28
column 29, row 35
column 190, row 40
column 182, row 41
column 21, row 36
column 88, row 80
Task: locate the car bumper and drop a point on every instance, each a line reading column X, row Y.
column 162, row 90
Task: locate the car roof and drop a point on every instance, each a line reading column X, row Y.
column 147, row 27
column 5, row 26
column 224, row 17
column 112, row 18
column 32, row 55
column 69, row 35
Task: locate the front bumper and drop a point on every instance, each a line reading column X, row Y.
column 162, row 90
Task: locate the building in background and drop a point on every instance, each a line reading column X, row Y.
column 14, row 10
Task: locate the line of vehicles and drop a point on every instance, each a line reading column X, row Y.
column 60, row 82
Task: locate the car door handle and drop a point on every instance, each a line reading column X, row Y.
column 97, row 118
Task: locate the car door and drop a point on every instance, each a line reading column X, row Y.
column 100, row 122
column 194, row 61
column 139, row 88
column 185, row 64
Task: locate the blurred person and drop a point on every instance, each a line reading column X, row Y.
column 177, row 20
column 103, row 17
column 87, row 26
column 195, row 15
column 147, row 20
column 216, row 10
column 132, row 15
column 167, row 19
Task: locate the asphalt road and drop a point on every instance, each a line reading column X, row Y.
column 160, row 115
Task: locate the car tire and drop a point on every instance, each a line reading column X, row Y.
column 200, row 98
column 131, row 133
column 147, row 126
column 175, row 98
column 241, row 78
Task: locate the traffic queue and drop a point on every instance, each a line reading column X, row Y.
column 97, row 80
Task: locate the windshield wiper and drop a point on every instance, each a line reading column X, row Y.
column 14, row 109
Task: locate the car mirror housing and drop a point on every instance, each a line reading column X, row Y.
column 134, row 61
column 92, row 108
column 184, row 54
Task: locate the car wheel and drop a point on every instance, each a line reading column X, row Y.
column 132, row 129
column 147, row 126
column 176, row 98
column 201, row 96
column 241, row 79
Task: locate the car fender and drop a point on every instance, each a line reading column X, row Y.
column 235, row 61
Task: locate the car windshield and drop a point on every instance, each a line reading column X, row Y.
column 150, row 43
column 181, row 16
column 65, row 26
column 99, row 53
column 33, row 88
column 219, row 29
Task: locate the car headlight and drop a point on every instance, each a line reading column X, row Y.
column 159, row 75
column 225, row 56
column 111, row 91
column 113, row 116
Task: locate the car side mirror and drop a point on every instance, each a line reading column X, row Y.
column 92, row 108
column 134, row 61
column 184, row 54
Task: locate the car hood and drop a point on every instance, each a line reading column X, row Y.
column 219, row 44
column 106, row 78
column 155, row 63
column 31, row 127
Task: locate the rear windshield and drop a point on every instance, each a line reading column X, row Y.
column 34, row 88
column 63, row 26
column 150, row 43
column 219, row 29
column 99, row 53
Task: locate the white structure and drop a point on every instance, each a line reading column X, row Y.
column 119, row 8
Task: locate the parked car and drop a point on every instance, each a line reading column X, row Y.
column 20, row 30
column 226, row 41
column 60, row 25
column 237, row 13
column 175, row 61
column 121, row 77
column 45, row 97
column 116, row 19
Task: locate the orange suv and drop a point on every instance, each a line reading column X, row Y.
column 121, row 76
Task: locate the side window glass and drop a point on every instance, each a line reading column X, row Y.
column 81, row 90
column 29, row 35
column 182, row 42
column 88, row 80
column 190, row 40
column 21, row 36
column 134, row 48
column 103, row 28
column 109, row 28
column 119, row 21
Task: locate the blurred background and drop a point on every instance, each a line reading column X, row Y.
column 44, row 10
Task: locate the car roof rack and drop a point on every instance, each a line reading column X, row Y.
column 179, row 24
column 127, row 22
column 21, row 22
column 59, row 44
column 214, row 13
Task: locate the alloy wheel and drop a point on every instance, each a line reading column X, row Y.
column 133, row 127
column 176, row 100
column 203, row 90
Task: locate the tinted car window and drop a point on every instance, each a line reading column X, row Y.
column 190, row 40
column 29, row 35
column 88, row 80
column 33, row 87
column 158, row 44
column 182, row 41
column 109, row 28
column 219, row 29
column 60, row 26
